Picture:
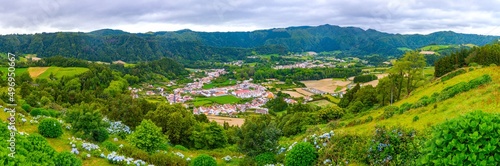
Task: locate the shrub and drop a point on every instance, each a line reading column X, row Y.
column 36, row 112
column 453, row 74
column 302, row 154
column 368, row 119
column 100, row 134
column 493, row 65
column 147, row 136
column 26, row 107
column 50, row 128
column 405, row 107
column 67, row 159
column 265, row 158
column 131, row 151
column 393, row 147
column 167, row 159
column 344, row 148
column 415, row 118
column 204, row 160
column 471, row 139
column 110, row 146
column 180, row 147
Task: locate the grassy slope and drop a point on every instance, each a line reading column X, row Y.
column 486, row 98
column 63, row 71
column 18, row 71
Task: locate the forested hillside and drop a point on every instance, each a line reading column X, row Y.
column 110, row 45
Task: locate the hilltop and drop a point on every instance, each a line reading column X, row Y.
column 185, row 45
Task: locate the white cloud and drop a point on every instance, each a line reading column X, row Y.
column 393, row 16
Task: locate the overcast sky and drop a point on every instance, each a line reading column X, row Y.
column 393, row 16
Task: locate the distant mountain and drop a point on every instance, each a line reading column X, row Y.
column 186, row 45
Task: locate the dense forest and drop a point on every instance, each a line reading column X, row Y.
column 185, row 45
column 486, row 55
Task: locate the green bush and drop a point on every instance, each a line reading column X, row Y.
column 131, row 151
column 36, row 112
column 472, row 139
column 394, row 147
column 110, row 146
column 26, row 107
column 368, row 119
column 265, row 158
column 50, row 128
column 405, row 107
column 415, row 118
column 302, row 154
column 67, row 159
column 100, row 134
column 493, row 65
column 453, row 74
column 204, row 160
column 344, row 148
column 167, row 159
column 180, row 147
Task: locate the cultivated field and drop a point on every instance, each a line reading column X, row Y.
column 62, row 71
column 232, row 121
column 328, row 85
column 304, row 92
column 293, row 93
column 321, row 103
column 36, row 71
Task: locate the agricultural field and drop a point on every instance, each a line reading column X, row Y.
column 232, row 121
column 293, row 93
column 321, row 103
column 18, row 71
column 36, row 71
column 304, row 92
column 62, row 71
column 228, row 99
column 328, row 85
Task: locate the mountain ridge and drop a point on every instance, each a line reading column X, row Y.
column 187, row 45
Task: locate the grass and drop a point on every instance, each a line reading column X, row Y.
column 321, row 103
column 204, row 101
column 486, row 98
column 63, row 71
column 18, row 71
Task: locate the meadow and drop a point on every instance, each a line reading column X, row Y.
column 204, row 101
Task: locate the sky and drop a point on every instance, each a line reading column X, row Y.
column 392, row 16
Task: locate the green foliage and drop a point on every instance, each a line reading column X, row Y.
column 277, row 104
column 67, row 159
column 110, row 146
column 201, row 118
column 175, row 121
column 364, row 78
column 147, row 136
column 258, row 135
column 134, row 152
column 302, row 154
column 415, row 118
column 204, row 160
column 467, row 140
column 26, row 107
column 209, row 136
column 167, row 159
column 453, row 74
column 50, row 128
column 295, row 123
column 395, row 146
column 329, row 113
column 86, row 120
column 100, row 134
column 45, row 112
column 180, row 147
column 389, row 111
column 265, row 158
column 344, row 148
column 405, row 107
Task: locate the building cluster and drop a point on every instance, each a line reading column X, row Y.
column 233, row 109
column 315, row 91
column 308, row 64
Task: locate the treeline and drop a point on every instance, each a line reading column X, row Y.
column 300, row 74
column 126, row 47
column 364, row 78
column 403, row 78
column 485, row 55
